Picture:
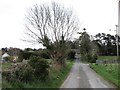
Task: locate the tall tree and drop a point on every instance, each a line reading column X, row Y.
column 52, row 26
column 88, row 48
column 85, row 43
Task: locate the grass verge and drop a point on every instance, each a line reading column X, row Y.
column 55, row 79
column 109, row 72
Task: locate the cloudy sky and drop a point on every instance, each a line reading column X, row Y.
column 95, row 15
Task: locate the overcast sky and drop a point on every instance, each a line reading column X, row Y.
column 97, row 16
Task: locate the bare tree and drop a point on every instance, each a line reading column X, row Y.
column 52, row 26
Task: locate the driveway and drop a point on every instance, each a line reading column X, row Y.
column 81, row 76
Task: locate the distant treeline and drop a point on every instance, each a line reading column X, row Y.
column 106, row 44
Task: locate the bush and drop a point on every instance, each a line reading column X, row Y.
column 26, row 55
column 71, row 54
column 36, row 69
column 6, row 75
column 33, row 60
column 40, row 67
column 94, row 58
column 88, row 58
column 25, row 73
column 18, row 73
column 44, row 54
column 7, row 58
column 83, row 57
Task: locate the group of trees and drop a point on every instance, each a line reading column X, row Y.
column 107, row 44
column 101, row 44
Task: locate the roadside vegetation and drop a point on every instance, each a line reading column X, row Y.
column 38, row 72
column 52, row 26
column 6, row 66
column 101, row 48
column 53, row 80
column 88, row 49
column 109, row 72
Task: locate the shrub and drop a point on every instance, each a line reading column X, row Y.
column 86, row 57
column 26, row 55
column 71, row 54
column 40, row 67
column 94, row 58
column 33, row 61
column 36, row 69
column 83, row 57
column 18, row 73
column 89, row 57
column 25, row 73
column 7, row 58
column 6, row 75
column 44, row 54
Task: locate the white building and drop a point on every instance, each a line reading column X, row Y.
column 4, row 55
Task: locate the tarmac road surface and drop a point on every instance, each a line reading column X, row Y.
column 82, row 76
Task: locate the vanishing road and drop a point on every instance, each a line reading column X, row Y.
column 81, row 76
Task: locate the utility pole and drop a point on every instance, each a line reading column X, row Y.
column 117, row 40
column 118, row 32
column 118, row 28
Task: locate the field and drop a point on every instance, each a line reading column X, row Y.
column 110, row 72
column 107, row 57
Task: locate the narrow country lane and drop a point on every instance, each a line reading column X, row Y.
column 81, row 76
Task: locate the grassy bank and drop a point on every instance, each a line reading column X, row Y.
column 55, row 79
column 109, row 72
